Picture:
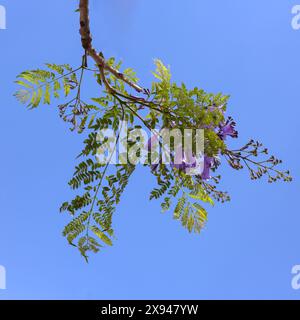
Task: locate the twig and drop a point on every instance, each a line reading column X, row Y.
column 86, row 40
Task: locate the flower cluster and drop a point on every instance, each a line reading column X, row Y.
column 184, row 159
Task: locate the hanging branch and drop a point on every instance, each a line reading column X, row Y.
column 86, row 40
column 166, row 106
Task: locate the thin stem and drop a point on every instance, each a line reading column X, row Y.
column 86, row 41
column 103, row 175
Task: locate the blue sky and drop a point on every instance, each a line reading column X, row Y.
column 244, row 48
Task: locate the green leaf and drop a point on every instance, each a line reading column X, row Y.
column 203, row 196
column 101, row 235
column 47, row 94
column 201, row 212
column 67, row 87
column 24, row 84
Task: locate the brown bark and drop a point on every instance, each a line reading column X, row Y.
column 86, row 40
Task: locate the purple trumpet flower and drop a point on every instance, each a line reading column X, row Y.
column 208, row 162
column 227, row 129
column 183, row 160
column 183, row 166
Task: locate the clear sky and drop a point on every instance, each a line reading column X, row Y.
column 247, row 49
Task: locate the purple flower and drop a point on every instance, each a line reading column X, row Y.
column 227, row 129
column 184, row 166
column 208, row 162
column 183, row 160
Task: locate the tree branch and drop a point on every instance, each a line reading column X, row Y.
column 86, row 40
